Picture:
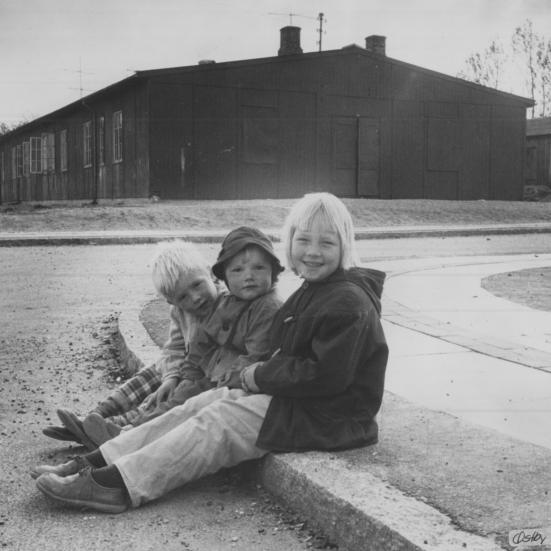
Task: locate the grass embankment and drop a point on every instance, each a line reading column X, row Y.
column 265, row 213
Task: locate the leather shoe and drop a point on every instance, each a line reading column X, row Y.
column 81, row 490
column 98, row 429
column 74, row 424
column 73, row 466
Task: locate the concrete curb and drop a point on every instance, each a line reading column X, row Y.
column 352, row 507
column 136, row 348
column 26, row 239
column 328, row 493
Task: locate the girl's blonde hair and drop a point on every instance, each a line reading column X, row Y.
column 173, row 260
column 329, row 211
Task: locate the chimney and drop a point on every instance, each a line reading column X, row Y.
column 290, row 41
column 376, row 44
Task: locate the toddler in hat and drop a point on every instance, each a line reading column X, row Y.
column 234, row 335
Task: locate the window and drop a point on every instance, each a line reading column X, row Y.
column 117, row 136
column 36, row 155
column 2, row 167
column 19, row 154
column 101, row 140
column 13, row 163
column 87, row 143
column 47, row 153
column 26, row 158
column 63, row 150
column 48, row 149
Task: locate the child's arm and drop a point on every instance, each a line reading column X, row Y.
column 255, row 342
column 175, row 349
column 343, row 341
column 257, row 336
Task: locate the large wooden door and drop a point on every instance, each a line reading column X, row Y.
column 356, row 156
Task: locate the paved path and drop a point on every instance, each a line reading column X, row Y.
column 457, row 348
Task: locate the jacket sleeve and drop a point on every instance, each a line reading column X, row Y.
column 200, row 350
column 257, row 333
column 340, row 344
column 175, row 350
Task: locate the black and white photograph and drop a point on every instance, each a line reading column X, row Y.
column 275, row 276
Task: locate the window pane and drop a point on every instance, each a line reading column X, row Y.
column 87, row 143
column 26, row 158
column 63, row 150
column 117, row 136
column 101, row 140
column 36, row 155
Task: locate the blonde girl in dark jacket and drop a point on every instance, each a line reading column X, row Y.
column 321, row 388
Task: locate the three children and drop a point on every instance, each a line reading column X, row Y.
column 321, row 387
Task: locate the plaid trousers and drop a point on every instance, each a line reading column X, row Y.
column 122, row 406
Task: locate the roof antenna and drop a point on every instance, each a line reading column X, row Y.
column 321, row 20
column 291, row 15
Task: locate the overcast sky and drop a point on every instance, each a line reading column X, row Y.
column 50, row 49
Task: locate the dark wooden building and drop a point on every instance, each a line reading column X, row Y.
column 351, row 121
column 538, row 154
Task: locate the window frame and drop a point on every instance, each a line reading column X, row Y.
column 101, row 140
column 48, row 152
column 19, row 158
column 87, row 144
column 36, row 155
column 26, row 158
column 117, row 137
column 13, row 162
column 63, row 150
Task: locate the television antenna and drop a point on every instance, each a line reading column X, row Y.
column 291, row 15
column 80, row 73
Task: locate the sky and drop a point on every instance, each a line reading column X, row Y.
column 54, row 51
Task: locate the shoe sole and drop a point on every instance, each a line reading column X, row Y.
column 60, row 433
column 71, row 425
column 101, row 507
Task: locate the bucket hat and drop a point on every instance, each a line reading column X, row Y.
column 239, row 239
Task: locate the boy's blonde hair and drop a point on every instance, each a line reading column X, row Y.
column 328, row 210
column 173, row 260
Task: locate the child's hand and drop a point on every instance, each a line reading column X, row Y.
column 231, row 380
column 161, row 394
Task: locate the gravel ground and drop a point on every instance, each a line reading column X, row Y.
column 58, row 315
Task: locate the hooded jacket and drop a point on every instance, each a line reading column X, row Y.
column 326, row 374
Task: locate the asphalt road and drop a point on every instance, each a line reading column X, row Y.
column 57, row 310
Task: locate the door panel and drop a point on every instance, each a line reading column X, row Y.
column 356, row 152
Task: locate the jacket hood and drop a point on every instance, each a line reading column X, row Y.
column 370, row 280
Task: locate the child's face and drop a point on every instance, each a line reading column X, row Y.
column 195, row 293
column 316, row 253
column 249, row 274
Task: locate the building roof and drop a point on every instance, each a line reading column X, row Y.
column 538, row 127
column 353, row 49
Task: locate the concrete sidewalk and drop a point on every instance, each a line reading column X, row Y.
column 121, row 237
column 441, row 477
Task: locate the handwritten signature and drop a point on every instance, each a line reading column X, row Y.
column 528, row 537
